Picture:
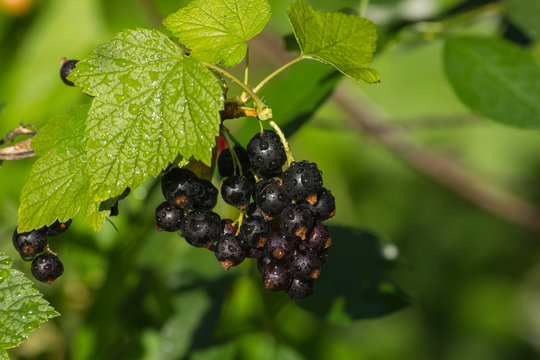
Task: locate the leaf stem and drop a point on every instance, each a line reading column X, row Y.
column 284, row 141
column 261, row 107
column 275, row 73
column 246, row 70
column 363, row 7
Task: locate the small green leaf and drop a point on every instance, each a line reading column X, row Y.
column 217, row 31
column 151, row 104
column 346, row 42
column 495, row 78
column 22, row 308
column 58, row 185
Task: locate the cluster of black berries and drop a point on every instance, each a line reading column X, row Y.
column 32, row 246
column 281, row 217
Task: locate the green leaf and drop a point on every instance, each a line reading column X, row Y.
column 524, row 13
column 217, row 31
column 151, row 104
column 22, row 308
column 58, row 185
column 495, row 79
column 346, row 42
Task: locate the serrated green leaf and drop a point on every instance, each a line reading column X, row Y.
column 58, row 185
column 346, row 42
column 496, row 79
column 217, row 31
column 22, row 308
column 151, row 104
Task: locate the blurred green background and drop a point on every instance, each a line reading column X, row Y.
column 472, row 280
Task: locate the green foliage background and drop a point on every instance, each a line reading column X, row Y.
column 139, row 294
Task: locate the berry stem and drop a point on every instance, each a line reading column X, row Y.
column 275, row 73
column 263, row 112
column 230, row 143
column 284, row 141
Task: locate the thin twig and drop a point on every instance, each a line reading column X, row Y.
column 443, row 169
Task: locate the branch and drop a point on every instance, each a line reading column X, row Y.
column 20, row 150
column 443, row 169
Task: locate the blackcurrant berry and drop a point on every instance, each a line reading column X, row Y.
column 254, row 231
column 272, row 198
column 318, row 238
column 306, row 265
column 168, row 217
column 300, row 289
column 229, row 252
column 47, row 268
column 276, row 276
column 58, row 227
column 201, row 228
column 181, row 187
column 208, row 198
column 280, row 246
column 324, row 206
column 254, row 211
column 302, row 180
column 228, row 227
column 296, row 220
column 30, row 243
column 236, row 191
column 266, row 154
column 225, row 162
column 66, row 69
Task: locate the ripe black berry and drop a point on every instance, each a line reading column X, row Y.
column 280, row 246
column 208, row 197
column 181, row 186
column 302, row 180
column 306, row 265
column 227, row 227
column 266, row 154
column 66, row 69
column 47, row 268
column 201, row 228
column 276, row 276
column 225, row 162
column 254, row 211
column 318, row 238
column 168, row 217
column 324, row 207
column 296, row 220
column 254, row 231
column 272, row 198
column 229, row 252
column 236, row 191
column 30, row 243
column 300, row 289
column 58, row 227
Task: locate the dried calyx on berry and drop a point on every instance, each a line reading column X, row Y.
column 58, row 227
column 181, row 187
column 303, row 181
column 31, row 243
